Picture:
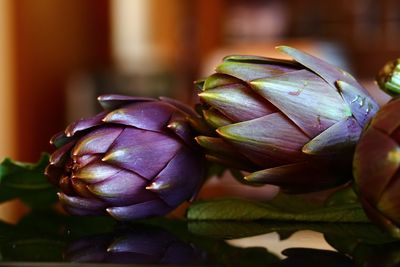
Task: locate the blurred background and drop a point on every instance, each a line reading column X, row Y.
column 57, row 55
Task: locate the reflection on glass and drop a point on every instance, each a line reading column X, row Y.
column 47, row 237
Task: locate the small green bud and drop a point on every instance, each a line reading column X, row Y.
column 389, row 77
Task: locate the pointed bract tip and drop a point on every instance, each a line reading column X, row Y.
column 255, row 84
column 113, row 155
column 154, row 186
column 111, row 213
column 283, row 48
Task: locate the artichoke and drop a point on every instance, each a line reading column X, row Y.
column 138, row 244
column 135, row 159
column 376, row 168
column 389, row 77
column 291, row 123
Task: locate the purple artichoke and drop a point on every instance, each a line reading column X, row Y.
column 377, row 161
column 138, row 244
column 289, row 123
column 135, row 159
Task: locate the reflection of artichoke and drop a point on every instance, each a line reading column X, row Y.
column 135, row 159
column 139, row 244
column 290, row 123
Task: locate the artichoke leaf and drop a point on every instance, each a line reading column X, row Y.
column 339, row 138
column 305, row 98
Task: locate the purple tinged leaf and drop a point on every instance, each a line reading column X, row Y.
column 362, row 105
column 179, row 106
column 305, row 98
column 95, row 172
column 272, row 137
column 215, row 118
column 182, row 129
column 80, row 188
column 224, row 153
column 65, row 185
column 234, row 101
column 152, row 116
column 376, row 161
column 143, row 152
column 53, row 174
column 218, row 79
column 328, row 72
column 179, row 180
column 216, row 144
column 388, row 120
column 299, row 177
column 251, row 71
column 351, row 90
column 199, row 125
column 97, row 141
column 83, row 160
column 261, row 60
column 139, row 211
column 123, row 188
column 110, row 102
column 339, row 138
column 84, row 124
column 281, row 175
column 59, row 139
column 82, row 203
column 59, row 156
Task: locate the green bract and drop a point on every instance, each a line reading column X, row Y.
column 389, row 77
column 292, row 123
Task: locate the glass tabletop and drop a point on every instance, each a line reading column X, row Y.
column 49, row 239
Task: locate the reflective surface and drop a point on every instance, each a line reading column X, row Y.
column 47, row 239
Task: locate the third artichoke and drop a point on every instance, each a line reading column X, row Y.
column 377, row 158
column 291, row 123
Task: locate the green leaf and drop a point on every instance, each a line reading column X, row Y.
column 27, row 182
column 358, row 232
column 282, row 208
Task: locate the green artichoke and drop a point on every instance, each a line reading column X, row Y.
column 377, row 164
column 389, row 77
column 291, row 123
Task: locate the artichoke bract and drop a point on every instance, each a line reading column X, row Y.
column 291, row 123
column 135, row 159
column 376, row 168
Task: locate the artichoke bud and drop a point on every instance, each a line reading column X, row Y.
column 135, row 159
column 376, row 168
column 295, row 121
column 389, row 77
column 135, row 244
